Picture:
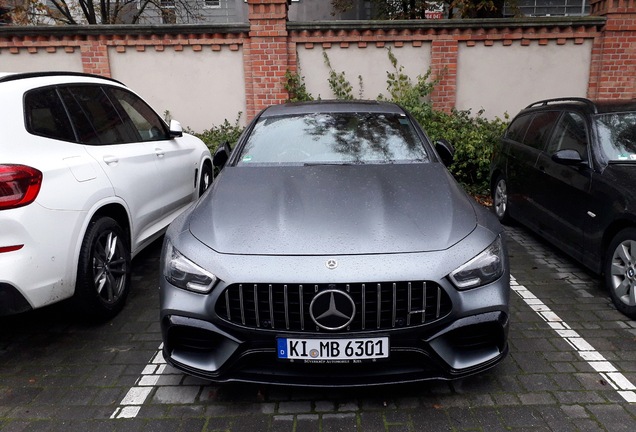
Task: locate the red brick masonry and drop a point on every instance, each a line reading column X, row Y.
column 269, row 44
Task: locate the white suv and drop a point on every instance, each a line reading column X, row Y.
column 89, row 176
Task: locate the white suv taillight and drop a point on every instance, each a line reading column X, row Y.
column 19, row 185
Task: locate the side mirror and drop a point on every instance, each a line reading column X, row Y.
column 175, row 129
column 568, row 157
column 445, row 150
column 221, row 155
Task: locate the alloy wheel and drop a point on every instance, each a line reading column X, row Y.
column 501, row 199
column 109, row 267
column 623, row 272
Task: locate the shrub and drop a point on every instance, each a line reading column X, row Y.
column 217, row 135
column 473, row 137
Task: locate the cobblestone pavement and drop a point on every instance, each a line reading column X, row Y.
column 571, row 367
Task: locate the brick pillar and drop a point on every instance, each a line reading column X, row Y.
column 613, row 68
column 444, row 68
column 95, row 57
column 265, row 55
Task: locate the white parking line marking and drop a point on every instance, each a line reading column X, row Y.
column 131, row 403
column 595, row 359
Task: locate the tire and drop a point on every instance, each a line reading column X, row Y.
column 620, row 271
column 103, row 273
column 206, row 179
column 500, row 200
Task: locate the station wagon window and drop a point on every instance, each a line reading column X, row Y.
column 570, row 134
column 540, row 128
column 45, row 115
column 517, row 129
column 617, row 134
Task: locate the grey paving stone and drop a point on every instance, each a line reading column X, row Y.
column 176, row 394
column 582, row 397
column 462, row 418
column 283, row 426
column 521, row 417
column 537, row 382
column 186, row 411
column 218, row 424
column 153, row 411
column 324, row 406
column 431, row 419
column 537, row 398
column 339, row 422
column 250, row 423
column 575, row 411
column 374, row 421
column 294, row 407
column 613, row 417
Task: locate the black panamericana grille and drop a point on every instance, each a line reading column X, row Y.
column 379, row 306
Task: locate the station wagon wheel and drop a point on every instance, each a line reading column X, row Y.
column 500, row 200
column 103, row 274
column 620, row 271
column 206, row 179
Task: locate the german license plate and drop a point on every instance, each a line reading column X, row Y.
column 333, row 349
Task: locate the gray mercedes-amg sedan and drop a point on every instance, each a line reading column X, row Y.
column 334, row 249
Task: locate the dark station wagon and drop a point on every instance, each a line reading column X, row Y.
column 566, row 168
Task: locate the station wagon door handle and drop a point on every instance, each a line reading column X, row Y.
column 159, row 152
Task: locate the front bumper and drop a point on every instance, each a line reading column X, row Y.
column 449, row 348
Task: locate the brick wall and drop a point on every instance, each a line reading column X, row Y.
column 613, row 68
column 269, row 43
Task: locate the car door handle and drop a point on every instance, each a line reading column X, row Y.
column 159, row 152
column 111, row 160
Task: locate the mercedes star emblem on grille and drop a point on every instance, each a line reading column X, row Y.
column 332, row 309
column 331, row 264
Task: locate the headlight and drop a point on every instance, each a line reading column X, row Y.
column 184, row 274
column 485, row 268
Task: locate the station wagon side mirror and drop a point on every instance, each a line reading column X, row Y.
column 568, row 157
column 221, row 155
column 175, row 129
column 445, row 150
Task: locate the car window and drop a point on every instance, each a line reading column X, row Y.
column 333, row 138
column 45, row 115
column 145, row 121
column 95, row 118
column 617, row 134
column 569, row 134
column 539, row 130
column 517, row 129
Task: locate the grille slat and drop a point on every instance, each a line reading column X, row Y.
column 364, row 306
column 301, row 305
column 379, row 305
column 286, row 306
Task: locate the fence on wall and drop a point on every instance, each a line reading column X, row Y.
column 207, row 73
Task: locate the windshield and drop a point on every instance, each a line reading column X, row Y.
column 617, row 132
column 333, row 138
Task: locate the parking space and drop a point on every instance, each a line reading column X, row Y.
column 572, row 366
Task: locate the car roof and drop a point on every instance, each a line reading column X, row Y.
column 15, row 76
column 330, row 106
column 584, row 104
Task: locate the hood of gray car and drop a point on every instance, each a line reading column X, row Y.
column 333, row 210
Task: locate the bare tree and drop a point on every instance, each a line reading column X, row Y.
column 416, row 9
column 81, row 12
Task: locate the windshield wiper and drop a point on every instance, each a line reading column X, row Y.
column 332, row 163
